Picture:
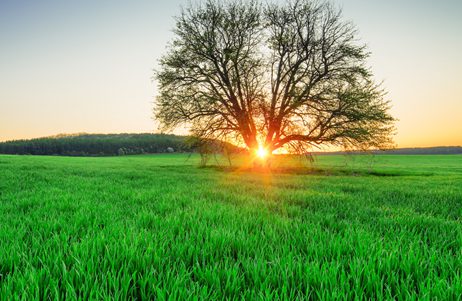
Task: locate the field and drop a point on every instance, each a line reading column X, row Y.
column 159, row 227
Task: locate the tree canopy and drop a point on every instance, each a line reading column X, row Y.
column 287, row 75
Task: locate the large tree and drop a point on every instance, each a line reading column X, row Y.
column 271, row 75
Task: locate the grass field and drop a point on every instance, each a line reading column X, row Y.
column 159, row 227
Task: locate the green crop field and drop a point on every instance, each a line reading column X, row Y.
column 158, row 227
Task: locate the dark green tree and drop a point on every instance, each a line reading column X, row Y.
column 272, row 76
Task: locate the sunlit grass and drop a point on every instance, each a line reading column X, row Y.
column 157, row 227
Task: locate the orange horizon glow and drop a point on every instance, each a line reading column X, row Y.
column 403, row 140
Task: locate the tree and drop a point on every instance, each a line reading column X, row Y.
column 272, row 76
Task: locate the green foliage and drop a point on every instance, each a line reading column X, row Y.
column 158, row 227
column 96, row 145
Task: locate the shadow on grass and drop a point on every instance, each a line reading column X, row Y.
column 316, row 171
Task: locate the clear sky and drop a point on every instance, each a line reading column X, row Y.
column 86, row 66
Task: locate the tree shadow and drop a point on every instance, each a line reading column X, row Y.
column 315, row 171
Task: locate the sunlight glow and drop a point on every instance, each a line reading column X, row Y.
column 262, row 152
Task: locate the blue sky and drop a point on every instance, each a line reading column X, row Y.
column 86, row 66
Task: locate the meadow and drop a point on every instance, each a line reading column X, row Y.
column 159, row 227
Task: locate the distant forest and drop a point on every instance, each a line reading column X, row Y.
column 437, row 150
column 98, row 145
column 133, row 144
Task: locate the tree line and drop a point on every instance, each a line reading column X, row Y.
column 99, row 145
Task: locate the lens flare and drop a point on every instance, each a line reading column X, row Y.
column 262, row 152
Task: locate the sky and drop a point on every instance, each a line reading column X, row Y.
column 87, row 66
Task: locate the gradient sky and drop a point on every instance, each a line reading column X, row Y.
column 86, row 66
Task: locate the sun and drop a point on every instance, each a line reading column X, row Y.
column 262, row 152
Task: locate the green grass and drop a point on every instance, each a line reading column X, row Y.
column 159, row 227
